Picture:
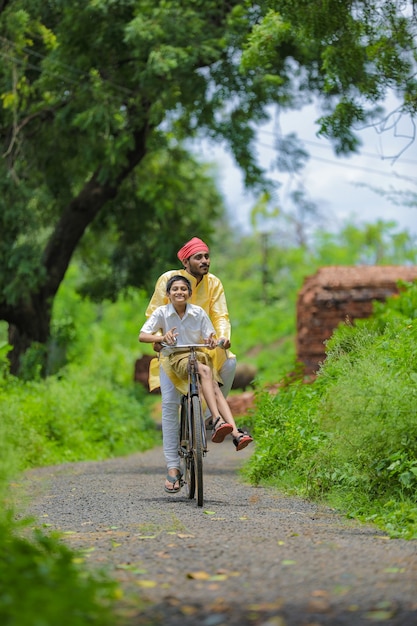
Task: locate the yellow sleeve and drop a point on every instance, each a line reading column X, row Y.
column 159, row 296
column 218, row 311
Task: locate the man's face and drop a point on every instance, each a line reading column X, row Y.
column 198, row 264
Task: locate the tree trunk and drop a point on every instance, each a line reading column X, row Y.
column 29, row 321
column 31, row 326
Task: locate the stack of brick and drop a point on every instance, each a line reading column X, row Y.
column 338, row 294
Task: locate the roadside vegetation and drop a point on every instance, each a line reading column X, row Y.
column 350, row 438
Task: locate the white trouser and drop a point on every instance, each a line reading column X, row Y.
column 171, row 400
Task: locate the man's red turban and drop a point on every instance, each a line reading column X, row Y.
column 192, row 247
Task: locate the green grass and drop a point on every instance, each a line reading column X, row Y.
column 350, row 438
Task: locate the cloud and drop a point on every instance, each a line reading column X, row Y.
column 345, row 187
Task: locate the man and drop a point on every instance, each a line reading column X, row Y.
column 207, row 292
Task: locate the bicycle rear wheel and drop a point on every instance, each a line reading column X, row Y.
column 186, row 456
column 197, row 421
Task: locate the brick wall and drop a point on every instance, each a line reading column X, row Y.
column 335, row 294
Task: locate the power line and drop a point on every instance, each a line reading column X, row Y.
column 347, row 165
column 325, row 147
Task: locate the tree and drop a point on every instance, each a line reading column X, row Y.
column 349, row 54
column 97, row 98
column 95, row 94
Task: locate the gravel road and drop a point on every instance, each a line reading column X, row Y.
column 250, row 556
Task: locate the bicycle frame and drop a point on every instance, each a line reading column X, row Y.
column 192, row 431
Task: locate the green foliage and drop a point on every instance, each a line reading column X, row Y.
column 73, row 418
column 350, row 437
column 40, row 584
column 343, row 52
column 285, row 429
column 90, row 408
column 378, row 243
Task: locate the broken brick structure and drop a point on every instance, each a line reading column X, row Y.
column 336, row 294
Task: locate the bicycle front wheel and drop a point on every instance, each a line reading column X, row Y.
column 197, row 421
column 185, row 451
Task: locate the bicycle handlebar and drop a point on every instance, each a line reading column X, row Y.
column 192, row 345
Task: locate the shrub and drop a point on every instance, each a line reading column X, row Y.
column 351, row 436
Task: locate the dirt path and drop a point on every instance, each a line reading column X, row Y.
column 249, row 557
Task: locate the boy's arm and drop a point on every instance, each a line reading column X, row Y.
column 148, row 337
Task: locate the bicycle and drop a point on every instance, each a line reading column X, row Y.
column 192, row 439
column 192, row 442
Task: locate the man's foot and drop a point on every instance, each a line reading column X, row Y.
column 242, row 440
column 173, row 482
column 220, row 430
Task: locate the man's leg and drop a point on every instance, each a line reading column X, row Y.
column 227, row 373
column 171, row 400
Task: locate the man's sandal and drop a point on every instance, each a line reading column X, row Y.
column 173, row 480
column 220, row 430
column 242, row 440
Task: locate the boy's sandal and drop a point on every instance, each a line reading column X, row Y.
column 220, row 430
column 173, row 480
column 242, row 440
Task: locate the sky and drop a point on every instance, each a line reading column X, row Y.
column 341, row 187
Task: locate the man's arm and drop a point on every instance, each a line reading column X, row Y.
column 159, row 296
column 218, row 312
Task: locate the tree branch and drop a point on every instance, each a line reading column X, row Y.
column 81, row 212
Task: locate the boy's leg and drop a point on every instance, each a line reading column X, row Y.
column 227, row 374
column 171, row 400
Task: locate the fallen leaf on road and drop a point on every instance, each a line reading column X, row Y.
column 163, row 555
column 267, row 606
column 146, row 536
column 147, row 584
column 319, row 605
column 188, row 610
column 198, row 575
column 394, row 570
column 379, row 616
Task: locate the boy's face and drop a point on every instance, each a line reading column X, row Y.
column 178, row 292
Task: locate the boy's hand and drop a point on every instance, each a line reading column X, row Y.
column 170, row 336
column 211, row 341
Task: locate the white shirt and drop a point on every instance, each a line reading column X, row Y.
column 193, row 327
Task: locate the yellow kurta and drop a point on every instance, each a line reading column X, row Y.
column 208, row 294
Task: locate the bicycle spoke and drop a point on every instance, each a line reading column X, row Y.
column 198, row 447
